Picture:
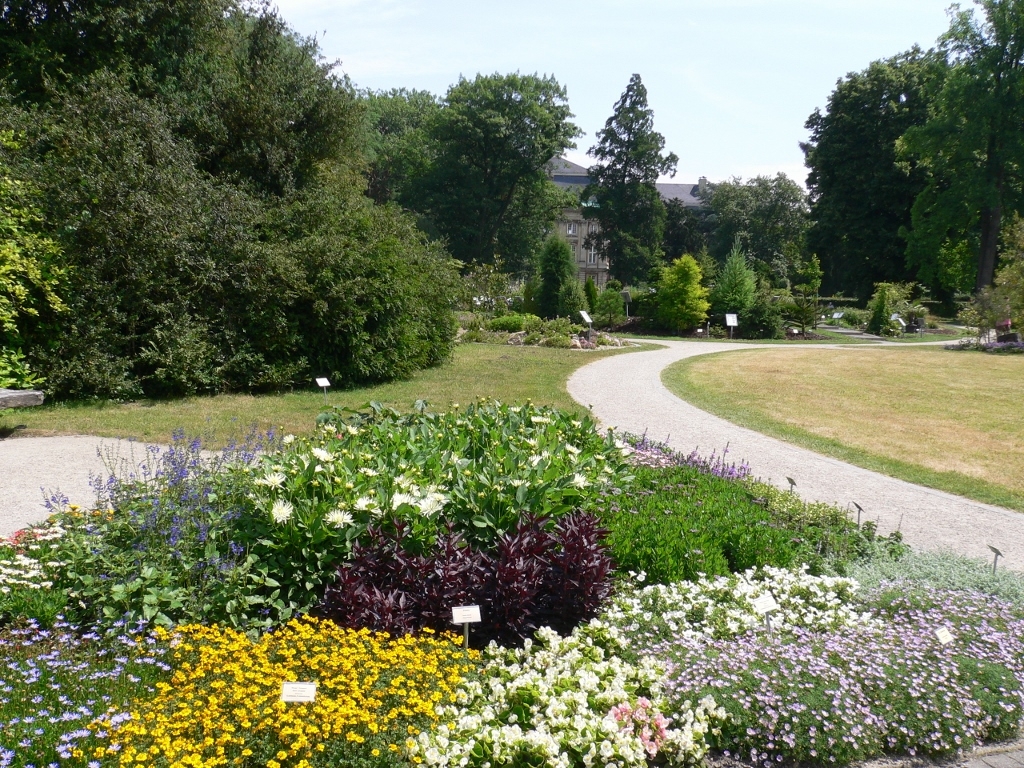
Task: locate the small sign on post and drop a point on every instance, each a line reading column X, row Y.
column 764, row 605
column 300, row 692
column 466, row 615
column 586, row 317
column 859, row 511
column 838, row 315
column 995, row 559
column 732, row 321
column 323, row 384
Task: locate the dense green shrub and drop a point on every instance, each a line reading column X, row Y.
column 571, row 299
column 682, row 299
column 556, row 269
column 590, row 289
column 764, row 318
column 514, row 323
column 610, row 310
column 735, row 287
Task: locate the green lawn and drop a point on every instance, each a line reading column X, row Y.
column 503, row 373
column 948, row 420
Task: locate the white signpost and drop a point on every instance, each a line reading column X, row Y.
column 944, row 635
column 586, row 317
column 300, row 692
column 323, row 384
column 732, row 321
column 466, row 615
column 837, row 315
column 764, row 605
column 995, row 559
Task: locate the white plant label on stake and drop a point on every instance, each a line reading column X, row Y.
column 586, row 317
column 765, row 604
column 837, row 315
column 944, row 635
column 300, row 692
column 323, row 383
column 732, row 320
column 466, row 614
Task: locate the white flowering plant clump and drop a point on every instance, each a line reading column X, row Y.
column 724, row 606
column 565, row 702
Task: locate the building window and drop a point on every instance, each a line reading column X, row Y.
column 572, row 249
column 592, row 255
column 591, row 227
column 570, row 228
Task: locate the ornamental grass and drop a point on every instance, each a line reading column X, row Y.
column 222, row 705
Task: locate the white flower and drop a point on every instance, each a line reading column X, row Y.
column 368, row 472
column 432, row 503
column 282, row 511
column 579, row 481
column 402, row 498
column 272, row 480
column 364, row 503
column 325, row 456
column 572, row 449
column 288, row 439
column 540, row 419
column 339, row 518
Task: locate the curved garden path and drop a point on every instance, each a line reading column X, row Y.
column 626, row 392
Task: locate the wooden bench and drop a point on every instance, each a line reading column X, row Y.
column 20, row 398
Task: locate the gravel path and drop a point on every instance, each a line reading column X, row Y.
column 31, row 468
column 625, row 392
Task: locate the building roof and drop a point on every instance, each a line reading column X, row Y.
column 568, row 175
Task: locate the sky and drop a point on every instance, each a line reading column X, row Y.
column 731, row 82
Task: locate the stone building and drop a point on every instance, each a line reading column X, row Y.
column 576, row 229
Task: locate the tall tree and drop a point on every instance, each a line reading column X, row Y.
column 398, row 147
column 766, row 216
column 861, row 193
column 629, row 154
column 684, row 231
column 486, row 190
column 972, row 147
column 556, row 269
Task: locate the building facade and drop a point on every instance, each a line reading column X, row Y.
column 581, row 234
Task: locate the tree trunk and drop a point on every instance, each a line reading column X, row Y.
column 991, row 222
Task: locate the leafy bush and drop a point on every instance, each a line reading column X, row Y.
column 557, row 268
column 888, row 299
column 571, row 299
column 558, row 342
column 682, row 299
column 680, row 523
column 15, row 372
column 610, row 310
column 512, row 323
column 530, row 577
column 942, row 570
column 764, row 318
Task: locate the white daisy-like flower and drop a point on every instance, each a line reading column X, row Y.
column 572, row 449
column 402, row 498
column 339, row 518
column 578, row 481
column 288, row 439
column 368, row 472
column 540, row 419
column 324, row 456
column 271, row 480
column 364, row 503
column 281, row 511
column 432, row 503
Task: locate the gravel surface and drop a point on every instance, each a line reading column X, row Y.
column 31, row 468
column 625, row 392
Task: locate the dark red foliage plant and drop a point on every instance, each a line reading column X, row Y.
column 540, row 574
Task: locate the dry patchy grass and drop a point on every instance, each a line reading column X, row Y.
column 952, row 414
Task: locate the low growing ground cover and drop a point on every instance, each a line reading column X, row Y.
column 949, row 421
column 623, row 585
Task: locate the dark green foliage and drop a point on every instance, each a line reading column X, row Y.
column 685, row 230
column 971, row 148
column 210, row 211
column 734, row 288
column 629, row 161
column 556, row 269
column 802, row 308
column 515, row 323
column 485, row 189
column 766, row 217
column 677, row 523
column 571, row 299
column 861, row 194
column 610, row 309
column 398, row 148
column 590, row 289
column 764, row 318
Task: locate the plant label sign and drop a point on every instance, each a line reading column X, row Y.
column 323, row 383
column 837, row 315
column 301, row 692
column 732, row 321
column 944, row 635
column 586, row 317
column 765, row 604
column 466, row 614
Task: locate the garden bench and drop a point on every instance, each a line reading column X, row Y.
column 20, row 398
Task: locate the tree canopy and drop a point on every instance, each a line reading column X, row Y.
column 622, row 195
column 861, row 192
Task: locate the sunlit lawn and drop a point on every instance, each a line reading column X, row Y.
column 950, row 420
column 510, row 374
